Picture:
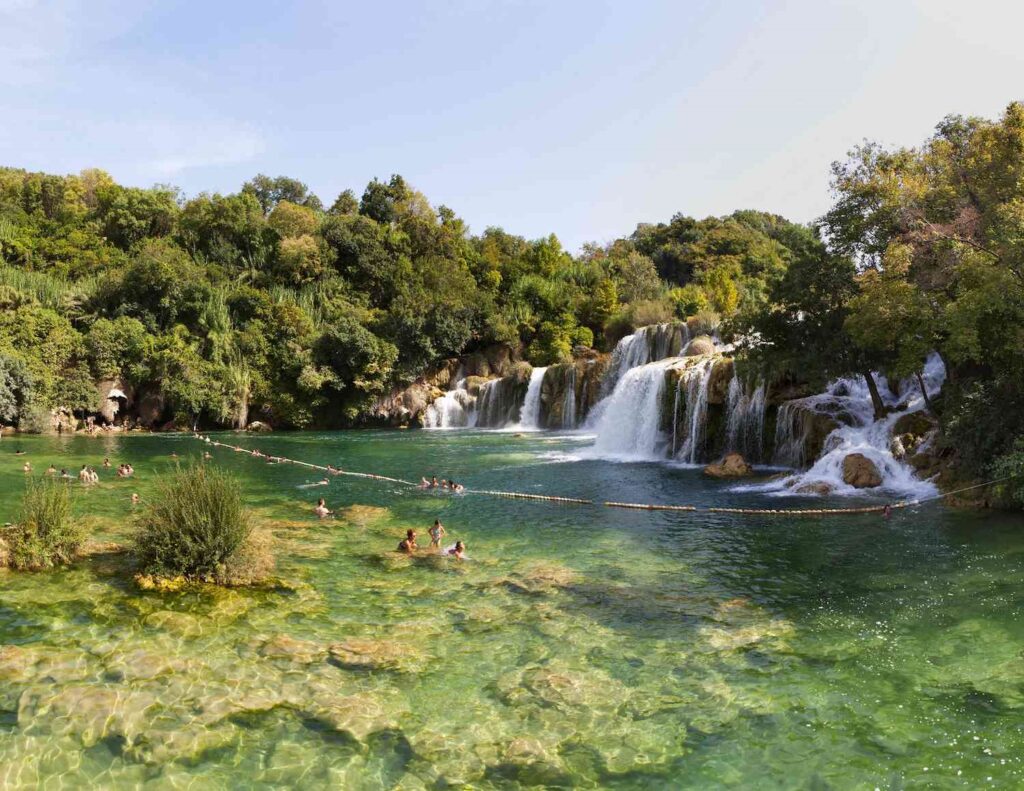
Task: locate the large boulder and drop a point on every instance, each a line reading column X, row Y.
column 718, row 385
column 916, row 424
column 732, row 466
column 860, row 472
column 700, row 345
column 258, row 427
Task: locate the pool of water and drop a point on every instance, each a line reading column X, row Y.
column 579, row 647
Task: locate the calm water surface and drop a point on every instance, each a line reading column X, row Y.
column 580, row 647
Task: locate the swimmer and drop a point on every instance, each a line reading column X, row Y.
column 27, row 467
column 444, row 484
column 106, row 463
column 135, row 499
column 424, row 483
column 437, row 532
column 408, row 544
column 458, row 551
column 64, row 474
column 458, row 487
column 51, row 470
column 207, row 455
column 433, row 482
column 83, row 474
column 322, row 510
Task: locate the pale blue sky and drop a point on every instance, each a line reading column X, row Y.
column 579, row 118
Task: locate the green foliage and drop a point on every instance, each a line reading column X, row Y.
column 46, row 534
column 192, row 525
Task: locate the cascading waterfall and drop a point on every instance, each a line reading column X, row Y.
column 629, row 426
column 529, row 418
column 696, row 379
column 849, row 402
column 569, row 399
column 648, row 344
column 745, row 421
column 452, row 410
column 496, row 405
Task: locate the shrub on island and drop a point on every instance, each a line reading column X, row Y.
column 196, row 529
column 46, row 534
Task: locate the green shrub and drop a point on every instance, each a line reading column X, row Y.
column 194, row 523
column 46, row 534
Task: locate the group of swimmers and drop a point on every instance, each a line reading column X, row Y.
column 433, row 483
column 408, row 545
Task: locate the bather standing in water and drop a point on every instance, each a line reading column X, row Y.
column 322, row 510
column 437, row 532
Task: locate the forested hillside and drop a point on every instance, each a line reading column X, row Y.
column 272, row 302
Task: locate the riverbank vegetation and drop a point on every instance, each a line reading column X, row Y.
column 270, row 303
column 195, row 528
column 46, row 534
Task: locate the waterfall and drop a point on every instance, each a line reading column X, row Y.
column 496, row 405
column 745, row 421
column 848, row 402
column 696, row 378
column 529, row 418
column 569, row 399
column 452, row 410
column 648, row 344
column 629, row 425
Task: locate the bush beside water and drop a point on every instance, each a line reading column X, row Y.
column 46, row 533
column 194, row 527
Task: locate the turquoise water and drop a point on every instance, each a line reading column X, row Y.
column 580, row 647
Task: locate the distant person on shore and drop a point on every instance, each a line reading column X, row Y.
column 322, row 510
column 408, row 544
column 437, row 532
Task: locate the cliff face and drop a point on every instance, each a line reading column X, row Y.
column 406, row 405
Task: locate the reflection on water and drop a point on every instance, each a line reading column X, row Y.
column 581, row 647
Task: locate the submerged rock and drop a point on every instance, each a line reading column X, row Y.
column 88, row 713
column 284, row 647
column 541, row 578
column 815, row 487
column 179, row 623
column 372, row 654
column 733, row 465
column 860, row 472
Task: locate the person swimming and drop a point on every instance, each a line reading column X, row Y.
column 27, row 467
column 408, row 544
column 322, row 510
column 457, row 551
column 433, row 482
column 51, row 470
column 437, row 532
column 135, row 499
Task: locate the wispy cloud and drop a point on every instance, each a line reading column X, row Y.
column 178, row 146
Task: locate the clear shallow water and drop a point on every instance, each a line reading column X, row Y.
column 582, row 647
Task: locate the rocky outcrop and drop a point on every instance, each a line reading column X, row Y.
column 699, row 346
column 860, row 472
column 258, row 427
column 733, row 465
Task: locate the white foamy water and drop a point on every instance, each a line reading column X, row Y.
column 529, row 418
column 628, row 422
column 872, row 438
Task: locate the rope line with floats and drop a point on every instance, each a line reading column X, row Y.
column 871, row 509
